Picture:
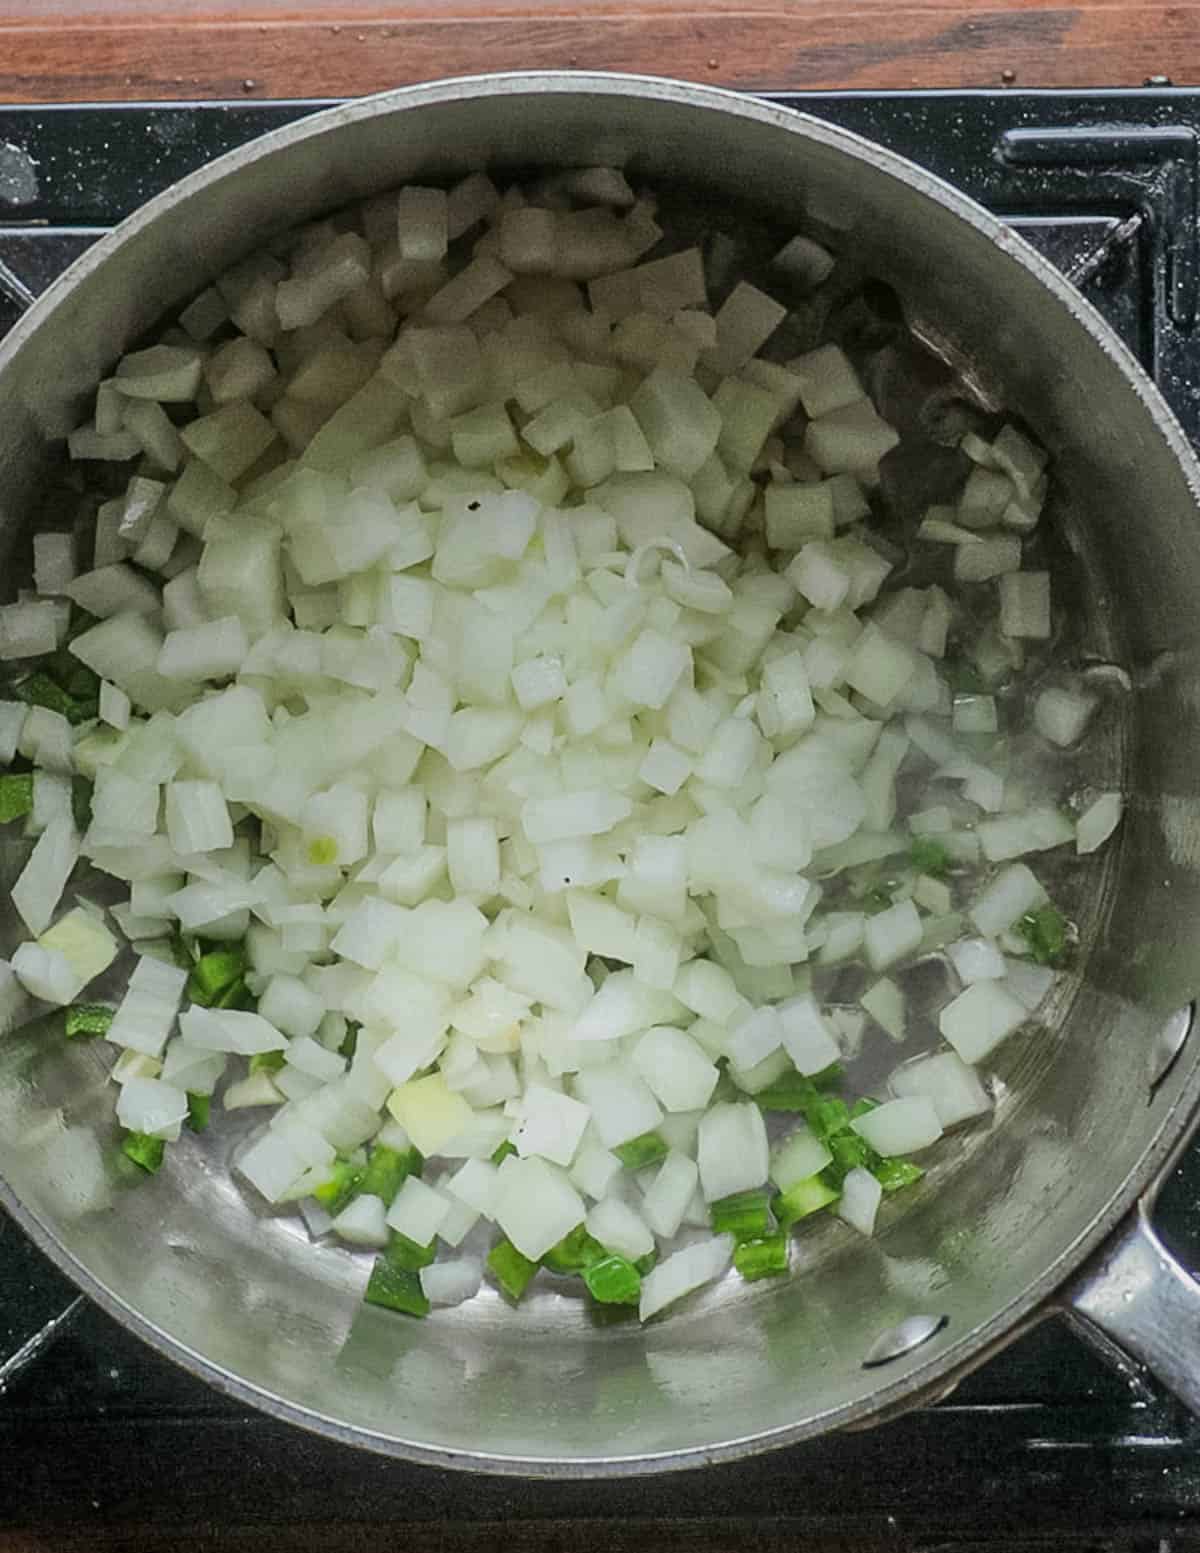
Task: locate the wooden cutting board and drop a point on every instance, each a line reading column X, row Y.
column 80, row 50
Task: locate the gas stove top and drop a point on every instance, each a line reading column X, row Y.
column 1052, row 1440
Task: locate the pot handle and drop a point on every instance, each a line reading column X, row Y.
column 1136, row 1293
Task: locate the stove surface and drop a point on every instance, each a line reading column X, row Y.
column 1051, row 1441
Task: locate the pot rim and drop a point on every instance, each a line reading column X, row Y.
column 935, row 1368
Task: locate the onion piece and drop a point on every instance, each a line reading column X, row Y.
column 1097, row 822
column 40, row 884
column 860, row 1199
column 900, row 1126
column 683, row 1272
column 954, row 1087
column 979, row 1018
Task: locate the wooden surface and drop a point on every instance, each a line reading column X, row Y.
column 79, row 50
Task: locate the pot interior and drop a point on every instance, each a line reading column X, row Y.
column 239, row 1293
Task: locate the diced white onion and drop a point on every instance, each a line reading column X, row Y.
column 536, row 1205
column 979, row 1018
column 666, row 1199
column 944, row 1078
column 452, row 1282
column 900, row 1126
column 860, row 1199
column 1013, row 892
column 797, row 1158
column 683, row 1272
column 732, row 1150
column 572, row 710
column 40, row 884
column 1097, row 822
column 151, row 1106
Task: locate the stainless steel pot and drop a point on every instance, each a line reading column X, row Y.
column 1045, row 1211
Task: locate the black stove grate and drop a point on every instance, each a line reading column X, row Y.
column 1048, row 1442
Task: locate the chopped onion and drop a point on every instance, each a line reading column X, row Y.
column 536, row 1205
column 595, row 1168
column 84, row 942
column 900, row 1126
column 796, row 1159
column 362, row 1222
column 806, row 1034
column 1097, row 822
column 576, row 731
column 148, row 1105
column 1025, row 604
column 1061, row 715
column 417, row 1211
column 551, row 1126
column 1028, row 982
column 40, row 884
column 860, row 1199
column 230, row 1030
column 147, row 1011
column 46, row 974
column 669, row 1194
column 1013, row 892
column 731, row 1150
column 891, row 935
column 273, row 1163
column 979, row 1018
column 944, row 1078
column 887, row 1006
column 1035, row 830
column 976, row 959
column 451, row 1282
column 683, row 1272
